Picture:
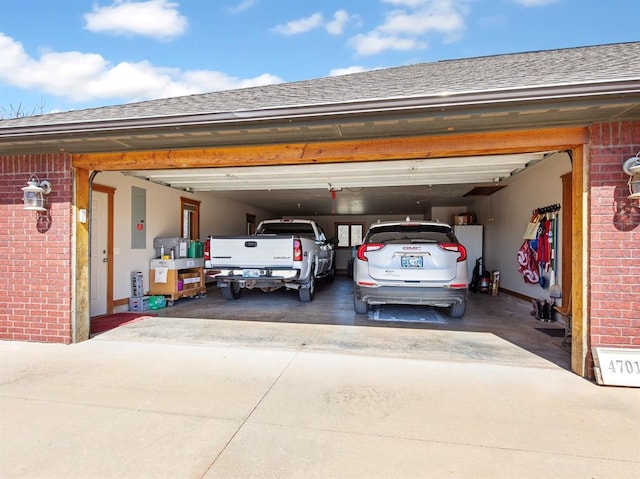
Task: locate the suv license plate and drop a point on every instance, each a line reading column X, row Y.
column 250, row 273
column 411, row 262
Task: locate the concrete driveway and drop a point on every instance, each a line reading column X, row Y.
column 194, row 398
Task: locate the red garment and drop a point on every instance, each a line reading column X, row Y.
column 544, row 244
column 528, row 263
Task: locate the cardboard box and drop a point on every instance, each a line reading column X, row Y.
column 157, row 302
column 156, row 288
column 139, row 303
column 464, row 219
column 189, row 280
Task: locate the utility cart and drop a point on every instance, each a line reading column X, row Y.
column 177, row 278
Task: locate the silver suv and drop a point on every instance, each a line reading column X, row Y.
column 411, row 262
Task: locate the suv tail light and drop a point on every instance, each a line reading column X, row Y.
column 456, row 247
column 297, row 250
column 365, row 248
column 207, row 250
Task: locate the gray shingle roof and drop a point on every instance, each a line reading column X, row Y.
column 572, row 66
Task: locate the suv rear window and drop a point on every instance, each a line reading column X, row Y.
column 410, row 233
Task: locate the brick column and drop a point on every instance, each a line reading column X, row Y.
column 614, row 275
column 36, row 251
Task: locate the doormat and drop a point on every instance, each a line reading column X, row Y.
column 100, row 324
column 406, row 314
column 553, row 332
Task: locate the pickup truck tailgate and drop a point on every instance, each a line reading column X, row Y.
column 250, row 252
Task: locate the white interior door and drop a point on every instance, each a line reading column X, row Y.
column 99, row 253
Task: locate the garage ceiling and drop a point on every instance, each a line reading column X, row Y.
column 377, row 187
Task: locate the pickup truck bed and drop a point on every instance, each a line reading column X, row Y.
column 282, row 253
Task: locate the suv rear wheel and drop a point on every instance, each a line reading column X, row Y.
column 359, row 306
column 457, row 310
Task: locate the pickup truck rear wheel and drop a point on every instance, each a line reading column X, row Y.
column 331, row 275
column 231, row 291
column 306, row 293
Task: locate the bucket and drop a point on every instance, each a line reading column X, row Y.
column 196, row 249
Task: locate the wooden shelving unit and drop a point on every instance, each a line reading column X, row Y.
column 184, row 278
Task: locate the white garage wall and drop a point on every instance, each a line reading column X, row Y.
column 220, row 216
column 511, row 210
column 445, row 215
column 217, row 216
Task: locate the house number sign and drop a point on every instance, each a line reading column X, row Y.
column 617, row 366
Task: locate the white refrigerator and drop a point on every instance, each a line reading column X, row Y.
column 471, row 237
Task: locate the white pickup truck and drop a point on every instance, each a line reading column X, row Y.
column 290, row 253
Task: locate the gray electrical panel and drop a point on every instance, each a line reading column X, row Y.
column 138, row 218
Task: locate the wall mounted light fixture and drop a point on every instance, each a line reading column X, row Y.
column 34, row 192
column 631, row 167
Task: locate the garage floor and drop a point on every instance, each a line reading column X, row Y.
column 503, row 316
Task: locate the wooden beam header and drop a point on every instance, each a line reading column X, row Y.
column 444, row 146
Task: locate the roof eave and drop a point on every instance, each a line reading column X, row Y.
column 371, row 107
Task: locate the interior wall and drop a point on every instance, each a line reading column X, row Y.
column 220, row 216
column 217, row 216
column 444, row 214
column 510, row 210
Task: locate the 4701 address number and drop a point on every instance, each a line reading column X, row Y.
column 617, row 366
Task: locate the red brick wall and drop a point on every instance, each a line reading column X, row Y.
column 36, row 252
column 614, row 276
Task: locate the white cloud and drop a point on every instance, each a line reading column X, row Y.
column 440, row 17
column 300, row 25
column 346, row 71
column 158, row 19
column 336, row 26
column 312, row 22
column 89, row 77
column 405, row 27
column 373, row 43
column 242, row 6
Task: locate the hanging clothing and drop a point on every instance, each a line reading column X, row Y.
column 528, row 263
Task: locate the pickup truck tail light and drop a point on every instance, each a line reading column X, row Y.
column 297, row 250
column 365, row 248
column 456, row 247
column 207, row 250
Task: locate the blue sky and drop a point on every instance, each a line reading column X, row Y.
column 73, row 54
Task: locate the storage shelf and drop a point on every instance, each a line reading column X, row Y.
column 192, row 280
